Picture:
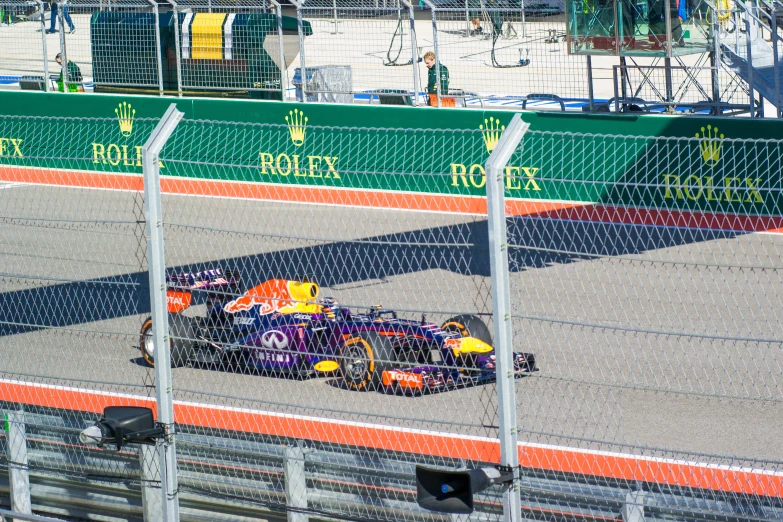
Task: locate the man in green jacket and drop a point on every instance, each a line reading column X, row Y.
column 74, row 75
column 432, row 74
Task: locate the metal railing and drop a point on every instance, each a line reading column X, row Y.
column 9, row 516
column 661, row 89
column 203, row 456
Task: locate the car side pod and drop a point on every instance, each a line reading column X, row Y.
column 452, row 491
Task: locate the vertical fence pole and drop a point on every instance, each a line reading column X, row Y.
column 616, row 90
column 669, row 85
column 177, row 45
column 749, row 63
column 150, row 482
column 467, row 19
column 773, row 24
column 524, row 29
column 715, row 61
column 436, row 50
column 158, row 51
column 302, row 69
column 624, row 82
column 60, row 7
column 501, row 308
column 633, row 508
column 590, row 94
column 16, row 451
column 668, row 21
column 283, row 68
column 42, row 10
column 414, row 50
column 295, row 483
column 160, row 327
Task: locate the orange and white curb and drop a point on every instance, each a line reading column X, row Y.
column 421, row 442
column 396, row 200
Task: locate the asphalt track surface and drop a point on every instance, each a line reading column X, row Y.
column 647, row 337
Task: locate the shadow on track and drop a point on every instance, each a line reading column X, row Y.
column 535, row 243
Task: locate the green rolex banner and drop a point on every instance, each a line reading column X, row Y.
column 664, row 163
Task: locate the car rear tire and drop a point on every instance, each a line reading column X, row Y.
column 468, row 326
column 145, row 343
column 363, row 360
column 180, row 340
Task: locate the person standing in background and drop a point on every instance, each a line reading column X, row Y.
column 66, row 17
column 433, row 85
column 74, row 76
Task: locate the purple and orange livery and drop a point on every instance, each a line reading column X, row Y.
column 283, row 325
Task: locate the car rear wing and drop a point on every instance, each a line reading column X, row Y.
column 218, row 284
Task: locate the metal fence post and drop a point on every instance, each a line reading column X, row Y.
column 633, row 508
column 295, row 483
column 522, row 8
column 414, row 51
column 158, row 46
column 160, row 327
column 177, row 45
column 501, row 308
column 749, row 62
column 773, row 24
column 283, row 68
column 60, row 7
column 433, row 8
column 590, row 94
column 150, row 482
column 467, row 19
column 715, row 61
column 42, row 10
column 616, row 89
column 300, row 30
column 16, row 450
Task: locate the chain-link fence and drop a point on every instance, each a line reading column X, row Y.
column 331, row 293
column 73, row 290
column 306, row 308
column 117, row 44
column 376, row 57
column 656, row 327
column 499, row 53
column 24, row 41
column 234, row 49
column 83, row 46
column 500, row 50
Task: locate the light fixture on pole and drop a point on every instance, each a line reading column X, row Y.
column 122, row 425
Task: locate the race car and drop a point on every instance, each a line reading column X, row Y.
column 284, row 326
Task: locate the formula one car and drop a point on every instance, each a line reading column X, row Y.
column 282, row 326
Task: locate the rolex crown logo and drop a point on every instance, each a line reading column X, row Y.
column 297, row 123
column 491, row 130
column 125, row 114
column 710, row 145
